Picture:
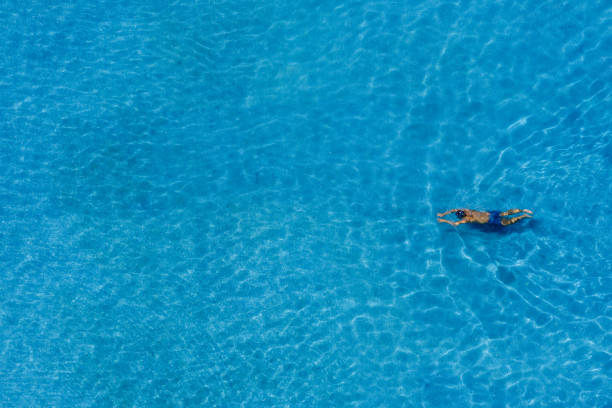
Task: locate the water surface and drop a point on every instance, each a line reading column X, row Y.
column 232, row 203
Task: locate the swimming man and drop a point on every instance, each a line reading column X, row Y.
column 485, row 217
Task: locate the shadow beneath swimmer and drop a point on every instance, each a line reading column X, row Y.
column 519, row 227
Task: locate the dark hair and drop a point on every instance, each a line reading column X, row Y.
column 460, row 213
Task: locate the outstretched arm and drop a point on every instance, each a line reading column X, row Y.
column 451, row 222
column 448, row 212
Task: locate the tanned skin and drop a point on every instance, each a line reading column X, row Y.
column 482, row 217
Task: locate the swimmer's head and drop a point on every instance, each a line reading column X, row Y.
column 460, row 213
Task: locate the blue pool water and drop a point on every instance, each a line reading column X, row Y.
column 232, row 203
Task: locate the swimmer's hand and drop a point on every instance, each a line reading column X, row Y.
column 528, row 211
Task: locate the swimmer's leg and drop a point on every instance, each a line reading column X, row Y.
column 510, row 212
column 509, row 221
column 514, row 211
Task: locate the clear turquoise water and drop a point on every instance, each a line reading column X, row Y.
column 232, row 203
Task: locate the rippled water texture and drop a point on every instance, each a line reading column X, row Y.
column 232, row 203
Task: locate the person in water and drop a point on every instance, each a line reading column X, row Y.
column 485, row 217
